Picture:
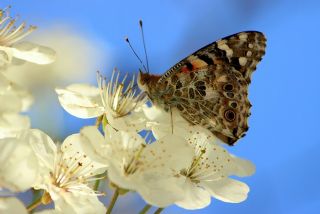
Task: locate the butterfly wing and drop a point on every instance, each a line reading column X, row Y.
column 211, row 85
column 243, row 51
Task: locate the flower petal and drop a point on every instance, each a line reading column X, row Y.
column 12, row 124
column 243, row 167
column 161, row 192
column 81, row 100
column 133, row 122
column 227, row 190
column 42, row 145
column 18, row 165
column 195, row 197
column 17, row 99
column 79, row 204
column 78, row 143
column 12, row 205
column 34, row 53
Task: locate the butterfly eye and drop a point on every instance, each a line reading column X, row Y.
column 228, row 87
column 230, row 115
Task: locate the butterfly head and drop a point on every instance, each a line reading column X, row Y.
column 147, row 81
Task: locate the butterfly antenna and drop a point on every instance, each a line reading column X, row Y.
column 144, row 44
column 135, row 53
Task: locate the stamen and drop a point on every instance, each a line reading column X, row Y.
column 196, row 161
column 132, row 166
column 73, row 171
column 9, row 34
column 119, row 98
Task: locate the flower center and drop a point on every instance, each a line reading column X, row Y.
column 118, row 98
column 9, row 33
column 72, row 170
column 191, row 172
column 133, row 165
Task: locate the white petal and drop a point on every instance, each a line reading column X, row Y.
column 155, row 176
column 42, row 145
column 161, row 193
column 243, row 167
column 227, row 190
column 163, row 123
column 77, row 143
column 133, row 122
column 34, row 53
column 12, row 205
column 16, row 98
column 49, row 211
column 18, row 165
column 173, row 151
column 6, row 54
column 81, row 100
column 11, row 104
column 93, row 144
column 195, row 197
column 12, row 124
column 79, row 204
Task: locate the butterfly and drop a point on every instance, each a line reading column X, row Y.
column 210, row 86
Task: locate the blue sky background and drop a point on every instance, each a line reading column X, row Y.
column 283, row 140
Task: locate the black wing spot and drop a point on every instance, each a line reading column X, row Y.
column 235, row 63
column 228, row 87
column 178, row 85
column 206, row 58
column 219, row 53
column 189, row 66
column 235, row 131
column 230, row 94
column 180, row 107
column 233, row 105
column 191, row 93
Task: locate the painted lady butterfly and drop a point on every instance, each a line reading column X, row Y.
column 210, row 87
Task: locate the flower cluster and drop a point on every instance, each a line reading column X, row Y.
column 134, row 145
column 185, row 164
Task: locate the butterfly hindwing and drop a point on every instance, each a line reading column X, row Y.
column 213, row 97
column 211, row 87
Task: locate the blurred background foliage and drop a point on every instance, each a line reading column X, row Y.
column 283, row 140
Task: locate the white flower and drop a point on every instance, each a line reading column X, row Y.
column 13, row 98
column 162, row 123
column 207, row 176
column 10, row 35
column 120, row 104
column 12, row 124
column 149, row 169
column 12, row 205
column 65, row 173
column 18, row 165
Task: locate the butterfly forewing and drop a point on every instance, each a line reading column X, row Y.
column 210, row 87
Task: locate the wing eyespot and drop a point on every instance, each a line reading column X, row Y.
column 228, row 87
column 230, row 115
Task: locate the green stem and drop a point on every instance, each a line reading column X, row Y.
column 96, row 185
column 159, row 210
column 34, row 204
column 113, row 200
column 145, row 209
